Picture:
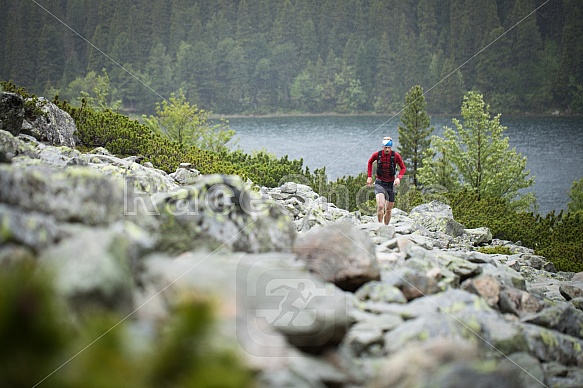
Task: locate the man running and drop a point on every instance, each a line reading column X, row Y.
column 386, row 159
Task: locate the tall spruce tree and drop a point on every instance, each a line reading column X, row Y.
column 414, row 135
column 480, row 158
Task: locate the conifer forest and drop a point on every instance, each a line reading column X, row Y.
column 301, row 56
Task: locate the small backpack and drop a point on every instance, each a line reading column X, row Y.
column 391, row 164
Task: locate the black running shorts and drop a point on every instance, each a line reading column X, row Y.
column 386, row 188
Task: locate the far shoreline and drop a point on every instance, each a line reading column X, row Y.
column 397, row 114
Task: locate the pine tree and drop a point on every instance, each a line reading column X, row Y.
column 470, row 20
column 481, row 158
column 384, row 77
column 159, row 70
column 526, row 51
column 52, row 58
column 448, row 94
column 571, row 73
column 180, row 20
column 414, row 136
column 184, row 73
column 21, row 20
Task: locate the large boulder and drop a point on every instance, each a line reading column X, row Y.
column 444, row 362
column 276, row 293
column 12, row 146
column 221, row 212
column 339, row 253
column 95, row 267
column 53, row 125
column 437, row 217
column 11, row 112
column 75, row 194
column 32, row 229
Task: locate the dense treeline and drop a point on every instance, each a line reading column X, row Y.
column 259, row 56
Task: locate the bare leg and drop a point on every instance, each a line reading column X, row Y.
column 381, row 205
column 388, row 212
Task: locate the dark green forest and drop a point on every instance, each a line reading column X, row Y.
column 295, row 56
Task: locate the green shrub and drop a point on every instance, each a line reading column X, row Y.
column 559, row 238
column 500, row 250
column 40, row 342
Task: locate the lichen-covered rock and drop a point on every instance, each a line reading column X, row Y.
column 479, row 236
column 31, row 229
column 11, row 112
column 75, row 194
column 549, row 345
column 53, row 126
column 563, row 318
column 186, row 174
column 437, row 217
column 518, row 302
column 220, row 212
column 94, row 268
column 12, row 146
column 380, row 292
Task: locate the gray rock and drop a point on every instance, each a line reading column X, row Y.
column 563, row 318
column 94, row 268
column 571, row 291
column 11, row 112
column 100, row 151
column 577, row 303
column 569, row 377
column 527, row 367
column 437, row 217
column 380, row 292
column 505, row 275
column 311, row 314
column 12, row 146
column 31, row 229
column 459, row 266
column 339, row 253
column 289, row 188
column 363, row 336
column 412, row 283
column 550, row 345
column 535, row 262
column 220, row 212
column 475, row 375
column 480, row 258
column 518, row 302
column 486, row 287
column 186, row 174
column 549, row 267
column 76, row 194
column 135, row 178
column 54, row 126
column 418, row 364
column 479, row 236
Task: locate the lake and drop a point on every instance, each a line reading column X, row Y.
column 553, row 145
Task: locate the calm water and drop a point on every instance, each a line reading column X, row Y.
column 553, row 145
